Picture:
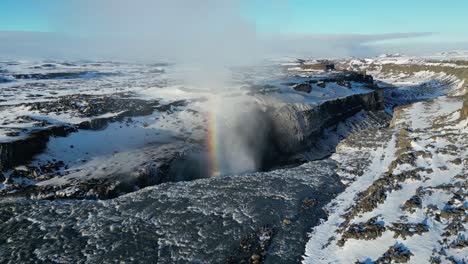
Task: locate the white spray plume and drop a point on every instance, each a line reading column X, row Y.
column 204, row 38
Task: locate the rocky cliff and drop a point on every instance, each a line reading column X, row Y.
column 295, row 127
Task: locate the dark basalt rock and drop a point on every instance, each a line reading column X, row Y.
column 452, row 212
column 21, row 151
column 344, row 83
column 369, row 230
column 413, row 203
column 459, row 243
column 90, row 190
column 395, row 254
column 453, row 228
column 296, row 131
column 464, row 110
column 12, row 134
column 307, row 204
column 52, row 75
column 330, row 67
column 90, row 105
column 19, row 174
column 44, row 65
column 253, row 248
column 55, row 75
column 302, row 87
column 170, row 106
column 321, row 84
column 408, row 229
column 351, row 77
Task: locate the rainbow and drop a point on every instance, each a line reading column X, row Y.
column 213, row 141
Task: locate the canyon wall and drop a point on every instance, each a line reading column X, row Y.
column 296, row 126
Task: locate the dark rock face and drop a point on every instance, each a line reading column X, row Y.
column 413, row 203
column 330, row 67
column 350, row 77
column 321, row 65
column 303, row 87
column 166, row 163
column 464, row 111
column 294, row 128
column 278, row 135
column 20, row 151
column 52, row 75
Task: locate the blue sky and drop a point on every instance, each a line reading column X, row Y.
column 92, row 28
column 448, row 18
column 25, row 15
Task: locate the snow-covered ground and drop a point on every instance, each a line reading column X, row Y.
column 440, row 151
column 29, row 98
column 117, row 115
column 405, row 199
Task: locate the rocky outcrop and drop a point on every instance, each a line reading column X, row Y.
column 55, row 75
column 395, row 254
column 372, row 229
column 405, row 230
column 20, row 151
column 91, row 105
column 302, row 87
column 296, row 126
column 464, row 110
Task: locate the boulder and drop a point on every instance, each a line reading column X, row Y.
column 321, row 84
column 303, row 87
column 464, row 110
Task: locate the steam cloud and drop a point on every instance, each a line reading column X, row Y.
column 205, row 38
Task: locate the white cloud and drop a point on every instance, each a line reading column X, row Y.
column 211, row 33
column 207, row 49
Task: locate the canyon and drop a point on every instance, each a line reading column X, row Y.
column 106, row 162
